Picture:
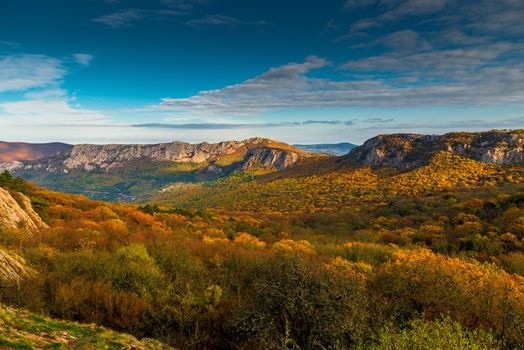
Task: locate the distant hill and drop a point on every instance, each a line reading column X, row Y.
column 137, row 172
column 336, row 149
column 59, row 157
column 132, row 172
column 19, row 151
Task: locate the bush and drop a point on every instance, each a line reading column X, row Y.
column 443, row 334
column 298, row 305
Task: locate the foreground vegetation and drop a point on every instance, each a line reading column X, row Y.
column 430, row 259
column 26, row 330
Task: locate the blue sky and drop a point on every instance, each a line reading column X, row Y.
column 122, row 71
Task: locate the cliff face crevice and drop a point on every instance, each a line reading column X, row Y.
column 413, row 150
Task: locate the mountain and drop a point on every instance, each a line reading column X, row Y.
column 19, row 151
column 91, row 157
column 244, row 252
column 137, row 172
column 413, row 150
column 134, row 172
column 336, row 149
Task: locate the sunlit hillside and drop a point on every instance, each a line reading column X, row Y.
column 356, row 258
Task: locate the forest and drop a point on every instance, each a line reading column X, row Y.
column 364, row 258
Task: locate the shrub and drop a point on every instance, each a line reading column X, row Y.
column 442, row 334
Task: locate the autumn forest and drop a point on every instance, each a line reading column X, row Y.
column 316, row 256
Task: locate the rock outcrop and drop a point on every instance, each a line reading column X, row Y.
column 413, row 150
column 16, row 214
column 90, row 157
column 269, row 157
column 12, row 269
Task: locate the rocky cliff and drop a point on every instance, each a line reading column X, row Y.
column 15, row 213
column 277, row 158
column 413, row 150
column 89, row 157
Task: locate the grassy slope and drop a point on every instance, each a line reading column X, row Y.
column 25, row 330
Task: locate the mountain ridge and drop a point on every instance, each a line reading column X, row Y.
column 409, row 151
column 107, row 156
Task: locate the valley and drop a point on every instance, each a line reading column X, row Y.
column 401, row 240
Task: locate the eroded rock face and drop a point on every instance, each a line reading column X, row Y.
column 412, row 150
column 89, row 157
column 277, row 158
column 12, row 269
column 15, row 215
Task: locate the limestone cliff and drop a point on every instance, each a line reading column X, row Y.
column 88, row 157
column 269, row 157
column 413, row 150
column 15, row 214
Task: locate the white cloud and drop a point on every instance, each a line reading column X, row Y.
column 83, row 58
column 48, row 111
column 22, row 72
column 215, row 20
column 401, row 10
column 128, row 16
column 429, row 78
column 405, row 40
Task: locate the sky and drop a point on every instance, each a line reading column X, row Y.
column 300, row 71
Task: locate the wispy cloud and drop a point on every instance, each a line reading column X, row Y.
column 355, row 4
column 441, row 78
column 128, row 16
column 212, row 126
column 378, row 120
column 21, row 72
column 83, row 58
column 9, row 44
column 405, row 40
column 40, row 100
column 215, row 20
column 401, row 10
column 48, row 111
column 184, row 5
column 221, row 20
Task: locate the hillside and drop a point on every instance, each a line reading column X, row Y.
column 334, row 188
column 409, row 257
column 20, row 329
column 413, row 150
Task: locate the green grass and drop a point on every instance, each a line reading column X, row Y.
column 21, row 329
